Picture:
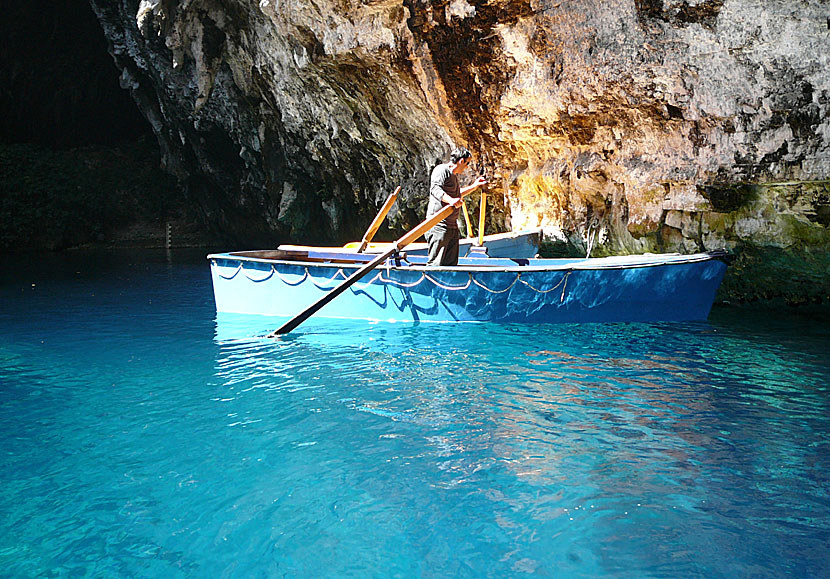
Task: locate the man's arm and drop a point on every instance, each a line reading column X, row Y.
column 436, row 189
column 464, row 191
column 480, row 182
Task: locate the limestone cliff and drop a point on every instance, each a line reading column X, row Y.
column 627, row 125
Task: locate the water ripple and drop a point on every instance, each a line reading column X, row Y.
column 144, row 436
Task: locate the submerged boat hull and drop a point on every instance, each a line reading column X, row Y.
column 632, row 288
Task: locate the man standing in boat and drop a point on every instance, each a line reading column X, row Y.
column 444, row 190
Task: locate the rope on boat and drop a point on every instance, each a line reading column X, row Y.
column 233, row 275
column 492, row 291
column 561, row 281
column 451, row 288
column 261, row 279
column 439, row 284
column 430, row 278
column 285, row 281
column 402, row 284
column 339, row 273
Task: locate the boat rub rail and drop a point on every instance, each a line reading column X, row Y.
column 341, row 259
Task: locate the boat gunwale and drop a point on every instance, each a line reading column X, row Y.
column 465, row 241
column 582, row 264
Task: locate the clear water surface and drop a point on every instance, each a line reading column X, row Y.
column 141, row 436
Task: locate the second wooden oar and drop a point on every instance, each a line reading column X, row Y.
column 370, row 233
column 482, row 213
column 467, row 219
column 356, row 276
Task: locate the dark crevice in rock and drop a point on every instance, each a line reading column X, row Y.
column 680, row 13
column 727, row 198
column 467, row 56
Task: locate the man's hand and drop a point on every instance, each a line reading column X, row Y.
column 450, row 200
column 477, row 184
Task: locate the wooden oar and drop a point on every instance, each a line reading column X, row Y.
column 370, row 233
column 356, row 276
column 467, row 219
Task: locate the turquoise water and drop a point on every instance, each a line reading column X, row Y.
column 142, row 437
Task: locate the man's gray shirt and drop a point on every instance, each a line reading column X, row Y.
column 443, row 180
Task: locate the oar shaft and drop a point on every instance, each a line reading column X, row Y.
column 356, row 276
column 375, row 225
column 425, row 226
column 481, row 218
column 467, row 219
column 313, row 308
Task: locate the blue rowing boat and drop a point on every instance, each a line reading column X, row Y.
column 635, row 288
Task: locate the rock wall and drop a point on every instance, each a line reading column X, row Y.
column 627, row 125
column 286, row 120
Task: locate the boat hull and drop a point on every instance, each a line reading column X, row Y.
column 660, row 288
